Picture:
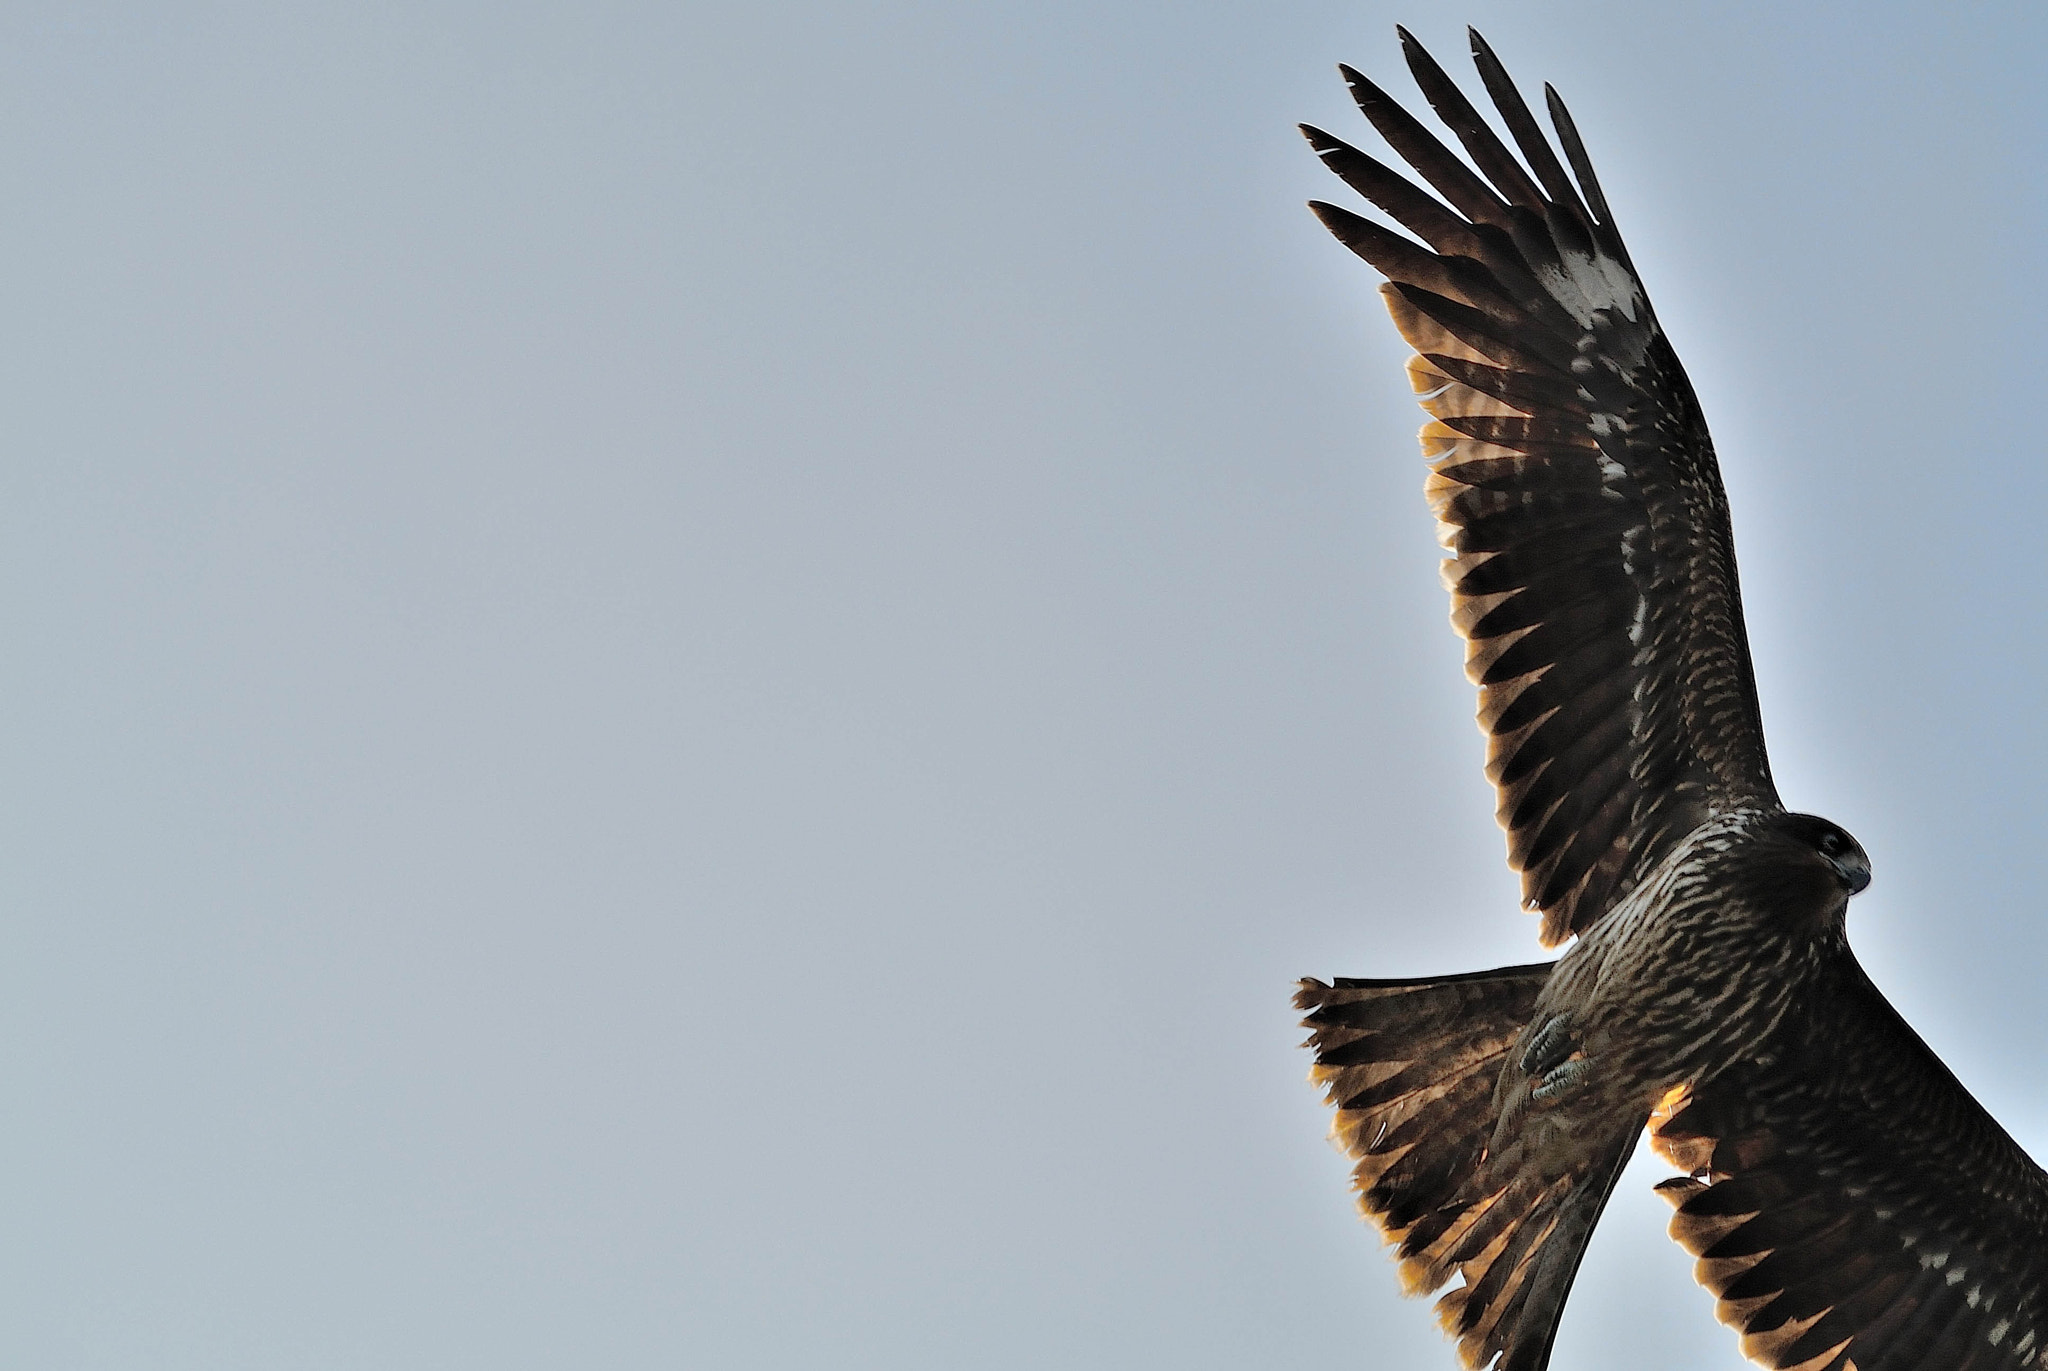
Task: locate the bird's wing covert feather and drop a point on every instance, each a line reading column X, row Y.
column 1591, row 569
column 1854, row 1207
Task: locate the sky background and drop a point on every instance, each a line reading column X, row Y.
column 684, row 683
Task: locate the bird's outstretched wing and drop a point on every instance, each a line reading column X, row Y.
column 1855, row 1206
column 1592, row 572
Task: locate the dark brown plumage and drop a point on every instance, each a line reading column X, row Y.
column 1850, row 1204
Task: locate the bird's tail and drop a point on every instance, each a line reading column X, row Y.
column 1410, row 1067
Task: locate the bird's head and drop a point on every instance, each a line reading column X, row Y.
column 1843, row 854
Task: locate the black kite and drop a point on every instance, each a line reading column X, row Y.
column 1850, row 1204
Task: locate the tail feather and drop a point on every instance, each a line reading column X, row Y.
column 1410, row 1067
column 1519, row 1324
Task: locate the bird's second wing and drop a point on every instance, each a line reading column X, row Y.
column 1591, row 570
column 1854, row 1206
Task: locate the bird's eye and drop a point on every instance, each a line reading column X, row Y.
column 1830, row 843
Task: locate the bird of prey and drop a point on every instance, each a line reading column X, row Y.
column 1850, row 1204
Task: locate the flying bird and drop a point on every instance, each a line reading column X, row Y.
column 1850, row 1204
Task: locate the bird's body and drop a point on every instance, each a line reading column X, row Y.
column 1694, row 971
column 1851, row 1205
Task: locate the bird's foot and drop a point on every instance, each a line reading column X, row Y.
column 1563, row 1079
column 1554, row 1061
column 1548, row 1046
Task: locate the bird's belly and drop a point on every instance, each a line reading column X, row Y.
column 1677, row 1001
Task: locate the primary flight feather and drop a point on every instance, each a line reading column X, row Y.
column 1850, row 1204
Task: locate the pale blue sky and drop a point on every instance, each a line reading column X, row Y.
column 684, row 683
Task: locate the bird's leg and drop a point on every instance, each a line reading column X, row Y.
column 1550, row 1058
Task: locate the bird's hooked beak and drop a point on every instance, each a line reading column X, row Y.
column 1853, row 868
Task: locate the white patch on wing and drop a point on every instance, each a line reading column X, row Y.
column 1631, row 544
column 1590, row 284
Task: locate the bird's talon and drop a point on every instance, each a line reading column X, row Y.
column 1562, row 1079
column 1551, row 1044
